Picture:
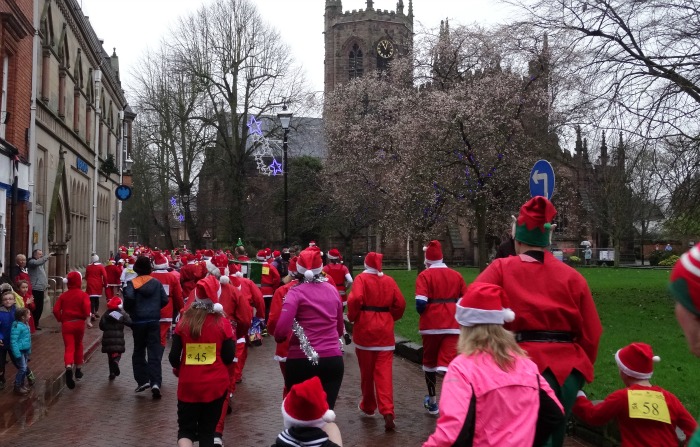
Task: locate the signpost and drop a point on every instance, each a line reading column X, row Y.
column 542, row 179
column 123, row 192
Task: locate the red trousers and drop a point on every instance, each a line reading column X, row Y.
column 109, row 292
column 73, row 332
column 438, row 351
column 376, row 380
column 241, row 356
column 164, row 327
column 231, row 388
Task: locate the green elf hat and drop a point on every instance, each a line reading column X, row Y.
column 239, row 243
column 685, row 280
column 533, row 226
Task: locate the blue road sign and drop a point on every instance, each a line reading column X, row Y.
column 123, row 192
column 542, row 179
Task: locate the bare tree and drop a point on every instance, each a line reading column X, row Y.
column 171, row 103
column 246, row 71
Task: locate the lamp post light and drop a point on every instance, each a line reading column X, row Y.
column 285, row 117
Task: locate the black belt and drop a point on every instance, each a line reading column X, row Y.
column 375, row 308
column 544, row 336
column 442, row 300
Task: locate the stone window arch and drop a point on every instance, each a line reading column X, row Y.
column 355, row 62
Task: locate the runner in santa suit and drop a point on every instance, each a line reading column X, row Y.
column 556, row 319
column 269, row 280
column 114, row 273
column 251, row 293
column 438, row 288
column 375, row 302
column 171, row 284
column 191, row 272
column 96, row 279
column 282, row 348
column 340, row 274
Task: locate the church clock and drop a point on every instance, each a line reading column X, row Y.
column 385, row 49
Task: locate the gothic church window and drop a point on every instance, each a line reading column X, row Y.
column 355, row 69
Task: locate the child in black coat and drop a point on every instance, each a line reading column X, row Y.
column 112, row 324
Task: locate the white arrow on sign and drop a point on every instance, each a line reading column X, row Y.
column 536, row 177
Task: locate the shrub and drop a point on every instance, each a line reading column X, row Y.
column 656, row 256
column 669, row 261
column 574, row 259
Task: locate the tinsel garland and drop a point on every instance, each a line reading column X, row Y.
column 309, row 350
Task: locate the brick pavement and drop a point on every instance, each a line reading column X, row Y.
column 102, row 413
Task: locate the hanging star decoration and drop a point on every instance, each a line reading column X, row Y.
column 263, row 149
column 276, row 167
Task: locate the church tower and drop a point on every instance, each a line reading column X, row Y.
column 358, row 42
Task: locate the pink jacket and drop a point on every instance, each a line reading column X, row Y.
column 506, row 402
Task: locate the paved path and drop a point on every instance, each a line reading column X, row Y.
column 103, row 413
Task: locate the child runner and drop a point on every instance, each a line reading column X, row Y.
column 307, row 419
column 202, row 346
column 647, row 415
column 112, row 324
column 491, row 387
column 21, row 345
column 72, row 309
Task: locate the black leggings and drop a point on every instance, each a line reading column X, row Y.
column 94, row 303
column 38, row 306
column 197, row 420
column 329, row 369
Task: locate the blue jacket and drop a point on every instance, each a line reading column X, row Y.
column 7, row 317
column 144, row 297
column 21, row 339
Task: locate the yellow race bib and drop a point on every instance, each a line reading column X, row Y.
column 200, row 353
column 266, row 270
column 648, row 404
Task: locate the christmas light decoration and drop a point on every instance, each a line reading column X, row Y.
column 263, row 150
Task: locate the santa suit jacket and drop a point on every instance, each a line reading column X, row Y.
column 96, row 278
column 190, row 274
column 114, row 273
column 549, row 296
column 637, row 432
column 282, row 348
column 340, row 275
column 236, row 308
column 375, row 302
column 171, row 284
column 438, row 288
column 252, row 293
column 72, row 305
column 270, row 281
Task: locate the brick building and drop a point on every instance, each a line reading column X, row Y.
column 16, row 33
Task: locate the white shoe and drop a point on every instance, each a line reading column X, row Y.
column 218, row 441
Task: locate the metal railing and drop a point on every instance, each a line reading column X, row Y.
column 55, row 288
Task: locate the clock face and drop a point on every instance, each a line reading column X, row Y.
column 385, row 49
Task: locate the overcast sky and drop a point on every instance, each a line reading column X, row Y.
column 132, row 26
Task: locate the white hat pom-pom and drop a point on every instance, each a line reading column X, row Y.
column 309, row 275
column 218, row 308
column 508, row 315
column 224, row 280
column 425, row 248
column 656, row 359
column 239, row 274
column 329, row 416
column 65, row 280
column 380, row 274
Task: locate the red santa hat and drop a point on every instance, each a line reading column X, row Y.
column 131, row 260
column 276, row 253
column 94, row 258
column 74, row 280
column 114, row 303
column 333, row 253
column 309, row 263
column 533, row 226
column 208, row 290
column 433, row 252
column 685, row 280
column 312, row 243
column 306, row 405
column 373, row 263
column 483, row 304
column 637, row 360
column 207, row 254
column 261, row 256
column 184, row 258
column 160, row 262
column 218, row 266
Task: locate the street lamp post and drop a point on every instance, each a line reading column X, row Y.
column 285, row 117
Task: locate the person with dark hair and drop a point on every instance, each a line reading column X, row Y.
column 144, row 297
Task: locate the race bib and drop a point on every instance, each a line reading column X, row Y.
column 647, row 404
column 200, row 353
column 265, row 270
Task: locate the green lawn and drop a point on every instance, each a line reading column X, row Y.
column 633, row 306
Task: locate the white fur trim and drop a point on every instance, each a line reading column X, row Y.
column 161, row 266
column 65, row 280
column 629, row 372
column 239, row 274
column 94, row 258
column 289, row 421
column 212, row 269
column 332, row 257
column 302, row 270
column 468, row 316
column 688, row 264
column 308, row 274
column 371, row 271
column 425, row 248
